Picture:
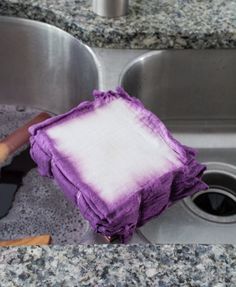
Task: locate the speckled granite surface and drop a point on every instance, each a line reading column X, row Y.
column 39, row 206
column 151, row 24
column 115, row 265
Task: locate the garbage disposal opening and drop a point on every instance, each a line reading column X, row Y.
column 218, row 203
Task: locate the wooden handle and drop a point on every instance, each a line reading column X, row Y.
column 19, row 137
column 38, row 240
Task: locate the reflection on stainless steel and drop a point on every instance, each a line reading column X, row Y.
column 187, row 85
column 44, row 67
column 110, row 8
column 193, row 92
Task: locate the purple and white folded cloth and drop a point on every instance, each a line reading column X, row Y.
column 116, row 161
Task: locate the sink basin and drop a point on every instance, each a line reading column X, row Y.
column 193, row 92
column 42, row 68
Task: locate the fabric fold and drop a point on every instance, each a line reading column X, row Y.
column 116, row 161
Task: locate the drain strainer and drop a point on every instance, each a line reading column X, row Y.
column 218, row 203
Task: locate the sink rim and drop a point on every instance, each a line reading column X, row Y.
column 146, row 54
column 138, row 59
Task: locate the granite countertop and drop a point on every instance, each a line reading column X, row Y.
column 116, row 265
column 151, row 24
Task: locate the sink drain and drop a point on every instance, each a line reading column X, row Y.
column 218, row 203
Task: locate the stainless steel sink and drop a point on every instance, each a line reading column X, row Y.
column 194, row 93
column 41, row 68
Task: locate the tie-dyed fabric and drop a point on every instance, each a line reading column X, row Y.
column 116, row 161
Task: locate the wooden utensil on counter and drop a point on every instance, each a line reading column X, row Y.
column 28, row 241
column 19, row 137
column 11, row 175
